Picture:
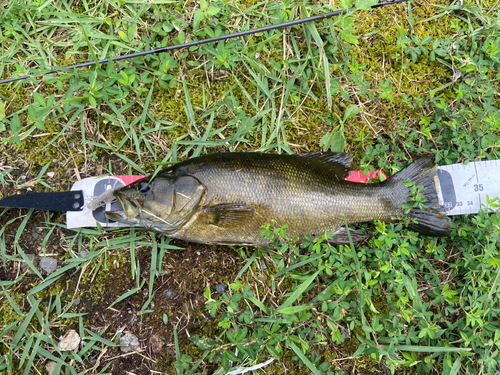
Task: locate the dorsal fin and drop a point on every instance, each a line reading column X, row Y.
column 330, row 157
column 337, row 162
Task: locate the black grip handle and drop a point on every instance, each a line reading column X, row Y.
column 58, row 201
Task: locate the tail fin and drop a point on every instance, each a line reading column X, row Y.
column 432, row 221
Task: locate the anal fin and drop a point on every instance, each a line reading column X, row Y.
column 341, row 238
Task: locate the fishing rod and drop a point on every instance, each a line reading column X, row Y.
column 204, row 41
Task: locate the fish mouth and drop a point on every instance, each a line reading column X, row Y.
column 117, row 216
column 129, row 210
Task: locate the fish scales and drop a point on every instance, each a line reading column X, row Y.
column 236, row 193
column 309, row 200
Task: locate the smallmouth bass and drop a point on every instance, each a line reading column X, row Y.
column 226, row 198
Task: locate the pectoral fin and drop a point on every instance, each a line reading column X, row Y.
column 229, row 214
column 341, row 238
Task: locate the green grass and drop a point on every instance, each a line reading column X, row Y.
column 387, row 85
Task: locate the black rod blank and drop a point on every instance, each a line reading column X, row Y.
column 205, row 41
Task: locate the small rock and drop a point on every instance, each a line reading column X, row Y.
column 156, row 344
column 131, row 343
column 50, row 367
column 263, row 265
column 77, row 301
column 35, row 235
column 170, row 293
column 50, row 174
column 71, row 144
column 48, row 264
column 220, row 288
column 83, row 253
column 69, row 341
column 24, row 266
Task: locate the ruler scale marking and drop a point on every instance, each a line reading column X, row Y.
column 477, row 180
column 464, row 188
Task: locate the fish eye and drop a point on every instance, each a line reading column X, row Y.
column 144, row 187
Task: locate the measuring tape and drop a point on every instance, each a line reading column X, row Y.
column 463, row 188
